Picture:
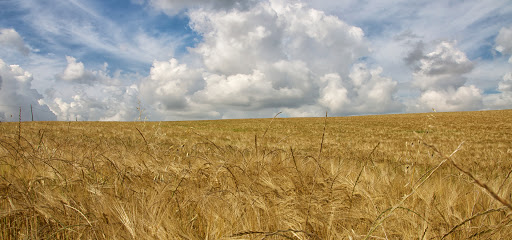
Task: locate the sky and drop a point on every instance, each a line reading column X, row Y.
column 162, row 60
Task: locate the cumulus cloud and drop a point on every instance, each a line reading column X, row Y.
column 273, row 31
column 282, row 55
column 464, row 98
column 9, row 38
column 440, row 77
column 248, row 91
column 366, row 92
column 334, row 96
column 75, row 72
column 237, row 41
column 170, row 84
column 373, row 93
column 16, row 92
column 84, row 94
column 442, row 68
column 503, row 99
column 268, row 57
column 254, row 58
column 111, row 103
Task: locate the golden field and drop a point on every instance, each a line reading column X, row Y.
column 409, row 176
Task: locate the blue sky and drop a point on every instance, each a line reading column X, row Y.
column 199, row 59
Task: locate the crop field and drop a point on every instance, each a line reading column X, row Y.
column 408, row 176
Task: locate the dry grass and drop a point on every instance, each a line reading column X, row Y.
column 373, row 177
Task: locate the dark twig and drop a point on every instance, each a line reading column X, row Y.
column 147, row 145
column 323, row 136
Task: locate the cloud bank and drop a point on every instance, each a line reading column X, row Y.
column 241, row 59
column 92, row 94
column 16, row 92
column 272, row 56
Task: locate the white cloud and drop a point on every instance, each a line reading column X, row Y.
column 464, row 98
column 334, row 96
column 443, row 68
column 365, row 92
column 75, row 71
column 110, row 103
column 273, row 31
column 324, row 42
column 440, row 77
column 255, row 58
column 246, row 91
column 236, row 41
column 16, row 92
column 373, row 92
column 169, row 85
column 84, row 94
column 502, row 100
column 272, row 56
column 9, row 38
column 392, row 27
column 282, row 84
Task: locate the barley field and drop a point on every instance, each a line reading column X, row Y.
column 407, row 176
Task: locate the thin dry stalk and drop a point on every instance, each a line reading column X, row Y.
column 299, row 174
column 19, row 129
column 268, row 127
column 86, row 219
column 471, row 218
column 478, row 182
column 396, row 206
column 323, row 136
column 210, row 141
column 505, row 180
column 361, row 171
column 316, row 172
